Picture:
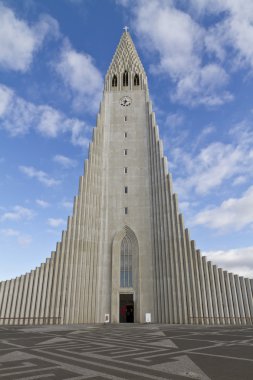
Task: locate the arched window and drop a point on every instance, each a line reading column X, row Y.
column 125, row 78
column 126, row 265
column 136, row 80
column 114, row 81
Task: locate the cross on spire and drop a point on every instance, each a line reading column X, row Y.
column 126, row 28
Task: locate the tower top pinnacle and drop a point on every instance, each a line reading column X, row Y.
column 126, row 57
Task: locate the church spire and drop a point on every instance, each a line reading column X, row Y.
column 126, row 69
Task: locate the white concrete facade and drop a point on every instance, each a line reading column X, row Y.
column 126, row 197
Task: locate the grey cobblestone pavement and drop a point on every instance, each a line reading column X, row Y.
column 126, row 352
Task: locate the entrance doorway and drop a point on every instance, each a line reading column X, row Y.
column 126, row 308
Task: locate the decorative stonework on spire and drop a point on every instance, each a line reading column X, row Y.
column 125, row 60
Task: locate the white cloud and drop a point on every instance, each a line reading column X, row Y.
column 215, row 163
column 233, row 214
column 81, row 75
column 18, row 213
column 64, row 161
column 19, row 41
column 22, row 239
column 232, row 36
column 18, row 116
column 238, row 261
column 39, row 175
column 56, row 222
column 42, row 203
column 181, row 53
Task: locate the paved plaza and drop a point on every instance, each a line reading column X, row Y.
column 126, row 351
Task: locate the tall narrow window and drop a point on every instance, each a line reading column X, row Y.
column 126, row 263
column 126, row 210
column 126, row 189
column 136, row 80
column 114, row 81
column 125, row 170
column 125, row 152
column 125, row 135
column 125, row 118
column 125, row 78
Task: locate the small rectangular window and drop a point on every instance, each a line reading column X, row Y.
column 125, row 170
column 125, row 118
column 126, row 189
column 125, row 152
column 125, row 134
column 126, row 210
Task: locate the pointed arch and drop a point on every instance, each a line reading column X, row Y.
column 124, row 246
column 136, row 80
column 125, row 78
column 114, row 80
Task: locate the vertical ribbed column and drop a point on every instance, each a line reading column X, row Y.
column 218, row 294
column 24, row 299
column 250, row 297
column 197, row 282
column 59, row 284
column 50, row 263
column 213, row 292
column 158, row 250
column 208, row 291
column 191, row 277
column 17, row 312
column 37, row 315
column 82, row 248
column 157, row 261
column 54, row 283
column 34, row 295
column 186, row 274
column 9, row 301
column 169, row 254
column 224, row 295
column 239, row 299
column 5, row 299
column 164, row 231
column 229, row 298
column 154, row 216
column 179, row 259
column 65, row 280
column 245, row 300
column 42, row 311
column 203, row 288
column 234, row 298
column 2, row 287
column 14, row 300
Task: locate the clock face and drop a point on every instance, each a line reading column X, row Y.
column 125, row 101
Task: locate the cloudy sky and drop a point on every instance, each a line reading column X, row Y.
column 198, row 55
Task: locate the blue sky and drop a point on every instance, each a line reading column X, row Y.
column 198, row 56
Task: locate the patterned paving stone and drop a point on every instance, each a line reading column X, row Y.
column 133, row 352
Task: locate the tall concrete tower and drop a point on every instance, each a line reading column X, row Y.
column 126, row 252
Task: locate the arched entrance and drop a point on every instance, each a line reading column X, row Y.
column 125, row 277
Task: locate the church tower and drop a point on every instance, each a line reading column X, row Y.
column 126, row 253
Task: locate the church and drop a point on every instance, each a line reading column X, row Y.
column 126, row 255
